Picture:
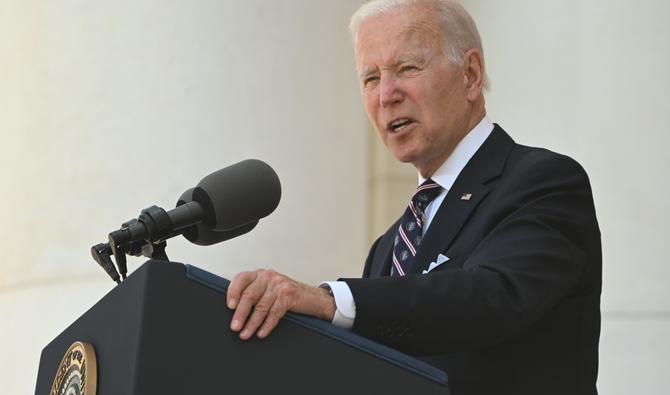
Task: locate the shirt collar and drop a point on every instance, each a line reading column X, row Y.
column 446, row 174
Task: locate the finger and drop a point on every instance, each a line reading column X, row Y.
column 240, row 282
column 276, row 313
column 261, row 310
column 247, row 300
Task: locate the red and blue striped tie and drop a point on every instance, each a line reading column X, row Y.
column 409, row 236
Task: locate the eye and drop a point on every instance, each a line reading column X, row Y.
column 369, row 80
column 408, row 68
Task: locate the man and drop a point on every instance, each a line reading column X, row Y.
column 493, row 273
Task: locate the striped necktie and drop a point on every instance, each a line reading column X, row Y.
column 409, row 235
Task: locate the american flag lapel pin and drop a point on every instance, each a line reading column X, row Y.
column 466, row 196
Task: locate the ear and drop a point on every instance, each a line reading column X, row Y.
column 473, row 73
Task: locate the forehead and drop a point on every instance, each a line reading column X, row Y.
column 393, row 36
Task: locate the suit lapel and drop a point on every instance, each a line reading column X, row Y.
column 381, row 262
column 486, row 165
column 468, row 191
column 450, row 218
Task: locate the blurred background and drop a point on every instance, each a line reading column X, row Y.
column 109, row 107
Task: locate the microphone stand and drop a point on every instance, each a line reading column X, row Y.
column 102, row 254
column 145, row 236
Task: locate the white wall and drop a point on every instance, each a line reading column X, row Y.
column 590, row 79
column 109, row 107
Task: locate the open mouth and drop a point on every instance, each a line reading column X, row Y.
column 399, row 125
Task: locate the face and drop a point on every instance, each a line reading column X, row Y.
column 417, row 101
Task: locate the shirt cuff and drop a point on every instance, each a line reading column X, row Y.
column 345, row 312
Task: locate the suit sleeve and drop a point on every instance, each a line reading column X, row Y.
column 539, row 250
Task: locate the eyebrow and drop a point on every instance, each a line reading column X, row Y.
column 418, row 58
column 366, row 72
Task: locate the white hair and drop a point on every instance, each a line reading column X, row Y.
column 459, row 31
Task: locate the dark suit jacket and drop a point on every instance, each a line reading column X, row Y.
column 516, row 309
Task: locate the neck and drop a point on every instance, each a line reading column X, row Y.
column 429, row 168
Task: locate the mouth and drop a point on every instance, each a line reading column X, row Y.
column 400, row 124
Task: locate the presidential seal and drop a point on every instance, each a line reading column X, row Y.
column 77, row 373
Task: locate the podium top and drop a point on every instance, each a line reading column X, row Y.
column 365, row 345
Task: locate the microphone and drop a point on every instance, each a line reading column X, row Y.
column 237, row 195
column 223, row 205
column 202, row 235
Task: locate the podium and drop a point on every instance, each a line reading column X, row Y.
column 165, row 330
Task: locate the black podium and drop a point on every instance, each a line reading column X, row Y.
column 165, row 330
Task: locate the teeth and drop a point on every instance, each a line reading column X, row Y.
column 399, row 124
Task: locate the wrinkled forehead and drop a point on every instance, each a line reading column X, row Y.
column 387, row 37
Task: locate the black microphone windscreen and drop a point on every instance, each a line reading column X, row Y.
column 200, row 234
column 238, row 195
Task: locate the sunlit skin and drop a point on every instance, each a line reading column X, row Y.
column 404, row 74
column 262, row 297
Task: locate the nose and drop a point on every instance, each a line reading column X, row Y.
column 389, row 94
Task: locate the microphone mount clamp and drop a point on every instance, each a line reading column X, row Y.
column 145, row 236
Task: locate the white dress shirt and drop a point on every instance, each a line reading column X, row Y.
column 445, row 176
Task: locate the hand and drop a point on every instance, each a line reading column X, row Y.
column 262, row 297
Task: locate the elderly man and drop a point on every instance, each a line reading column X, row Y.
column 493, row 273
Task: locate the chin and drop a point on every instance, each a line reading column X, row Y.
column 404, row 157
column 404, row 153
